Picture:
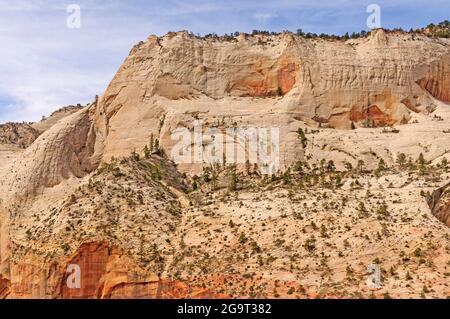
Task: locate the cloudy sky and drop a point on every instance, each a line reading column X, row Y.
column 45, row 65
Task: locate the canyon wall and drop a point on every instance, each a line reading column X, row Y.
column 280, row 81
column 439, row 203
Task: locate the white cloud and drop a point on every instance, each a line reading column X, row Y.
column 264, row 17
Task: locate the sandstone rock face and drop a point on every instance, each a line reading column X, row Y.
column 379, row 80
column 58, row 154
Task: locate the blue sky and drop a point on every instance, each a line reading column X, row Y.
column 45, row 65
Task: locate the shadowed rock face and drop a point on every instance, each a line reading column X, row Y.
column 92, row 260
column 266, row 78
column 437, row 80
column 444, row 214
column 440, row 204
column 4, row 288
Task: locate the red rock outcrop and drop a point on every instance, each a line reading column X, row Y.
column 266, row 78
column 371, row 114
column 54, row 201
column 106, row 273
column 92, row 260
column 444, row 213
